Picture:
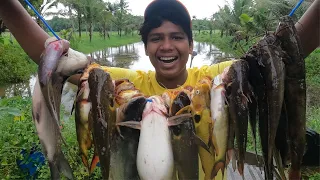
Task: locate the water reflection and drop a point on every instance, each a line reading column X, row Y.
column 130, row 56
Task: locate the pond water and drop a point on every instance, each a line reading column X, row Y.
column 128, row 56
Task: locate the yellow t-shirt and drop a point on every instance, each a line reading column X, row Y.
column 146, row 82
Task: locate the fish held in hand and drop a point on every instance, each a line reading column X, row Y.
column 238, row 108
column 220, row 120
column 50, row 136
column 57, row 63
column 82, row 109
column 155, row 156
column 103, row 115
column 295, row 93
column 184, row 140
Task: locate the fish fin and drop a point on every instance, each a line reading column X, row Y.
column 60, row 165
column 84, row 159
column 215, row 145
column 234, row 159
column 219, row 165
column 130, row 124
column 279, row 165
column 198, row 141
column 178, row 119
column 94, row 162
column 240, row 168
column 181, row 111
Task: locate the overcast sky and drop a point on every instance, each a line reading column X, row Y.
column 198, row 8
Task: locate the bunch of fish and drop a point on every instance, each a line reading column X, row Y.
column 161, row 136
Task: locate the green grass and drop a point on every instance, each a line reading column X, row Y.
column 84, row 45
column 18, row 132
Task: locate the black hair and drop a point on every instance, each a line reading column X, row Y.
column 162, row 10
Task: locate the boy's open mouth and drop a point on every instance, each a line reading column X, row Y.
column 168, row 59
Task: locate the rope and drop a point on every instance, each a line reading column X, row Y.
column 41, row 18
column 295, row 8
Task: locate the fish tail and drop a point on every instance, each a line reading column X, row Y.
column 240, row 167
column 60, row 165
column 219, row 165
column 94, row 163
column 84, row 159
column 294, row 174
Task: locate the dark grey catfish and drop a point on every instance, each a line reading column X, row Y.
column 295, row 93
column 103, row 115
column 238, row 106
column 124, row 148
column 185, row 149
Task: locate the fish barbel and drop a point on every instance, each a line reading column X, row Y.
column 49, row 135
column 200, row 110
column 238, row 106
column 219, row 115
column 155, row 156
column 184, row 140
column 124, row 147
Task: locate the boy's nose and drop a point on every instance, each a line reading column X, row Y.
column 166, row 45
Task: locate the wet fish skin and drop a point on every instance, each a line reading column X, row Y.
column 274, row 77
column 58, row 62
column 124, row 148
column 238, row 107
column 155, row 156
column 220, row 120
column 104, row 116
column 295, row 93
column 82, row 109
column 49, row 135
column 258, row 85
column 51, row 83
column 183, row 143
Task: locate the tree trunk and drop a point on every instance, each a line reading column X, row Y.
column 104, row 31
column 90, row 31
column 210, row 33
column 221, row 33
column 79, row 23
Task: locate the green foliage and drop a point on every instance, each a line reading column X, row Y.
column 313, row 67
column 20, row 133
column 15, row 65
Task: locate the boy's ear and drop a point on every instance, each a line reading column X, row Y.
column 191, row 48
column 146, row 51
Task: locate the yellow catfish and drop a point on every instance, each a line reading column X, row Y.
column 200, row 109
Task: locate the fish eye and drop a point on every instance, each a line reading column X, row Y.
column 197, row 91
column 197, row 118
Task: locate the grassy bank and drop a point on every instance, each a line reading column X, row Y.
column 18, row 66
column 84, row 45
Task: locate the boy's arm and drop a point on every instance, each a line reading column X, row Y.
column 308, row 28
column 26, row 31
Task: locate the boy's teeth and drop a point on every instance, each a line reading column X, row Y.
column 166, row 58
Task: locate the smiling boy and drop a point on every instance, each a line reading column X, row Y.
column 167, row 36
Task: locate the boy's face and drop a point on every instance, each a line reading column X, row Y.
column 168, row 49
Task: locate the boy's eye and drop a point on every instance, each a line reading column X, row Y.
column 177, row 37
column 154, row 39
